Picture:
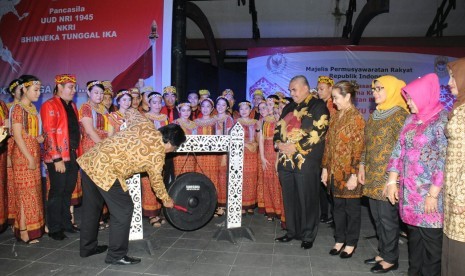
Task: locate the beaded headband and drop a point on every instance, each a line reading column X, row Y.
column 155, row 96
column 245, row 103
column 227, row 91
column 208, row 100
column 181, row 105
column 134, row 90
column 326, row 79
column 29, row 83
column 204, row 92
column 122, row 92
column 94, row 83
column 169, row 89
column 65, row 78
column 13, row 86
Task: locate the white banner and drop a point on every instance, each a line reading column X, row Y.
column 270, row 69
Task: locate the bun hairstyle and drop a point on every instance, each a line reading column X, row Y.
column 347, row 87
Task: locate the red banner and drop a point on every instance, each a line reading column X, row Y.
column 92, row 39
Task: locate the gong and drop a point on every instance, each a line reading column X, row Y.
column 195, row 199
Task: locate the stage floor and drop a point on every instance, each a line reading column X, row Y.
column 197, row 253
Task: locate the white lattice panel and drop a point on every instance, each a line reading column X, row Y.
column 234, row 144
column 205, row 143
column 134, row 186
column 236, row 163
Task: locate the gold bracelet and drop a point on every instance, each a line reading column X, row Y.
column 430, row 195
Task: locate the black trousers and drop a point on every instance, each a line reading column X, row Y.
column 120, row 206
column 59, row 196
column 386, row 219
column 347, row 216
column 325, row 201
column 424, row 251
column 301, row 196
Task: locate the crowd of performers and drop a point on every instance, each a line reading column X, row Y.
column 311, row 150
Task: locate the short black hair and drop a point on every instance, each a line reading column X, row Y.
column 173, row 134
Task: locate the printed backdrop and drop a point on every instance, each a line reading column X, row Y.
column 270, row 69
column 93, row 39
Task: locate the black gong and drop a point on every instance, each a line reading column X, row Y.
column 196, row 193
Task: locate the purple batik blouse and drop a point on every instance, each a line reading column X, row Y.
column 419, row 158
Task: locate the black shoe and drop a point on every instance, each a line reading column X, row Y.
column 306, row 245
column 126, row 260
column 335, row 252
column 326, row 220
column 378, row 268
column 58, row 236
column 345, row 255
column 72, row 230
column 371, row 261
column 99, row 249
column 284, row 238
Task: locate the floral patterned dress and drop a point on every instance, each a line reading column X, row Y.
column 419, row 157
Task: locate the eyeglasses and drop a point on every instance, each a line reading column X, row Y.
column 376, row 89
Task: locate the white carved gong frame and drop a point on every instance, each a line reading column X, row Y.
column 234, row 145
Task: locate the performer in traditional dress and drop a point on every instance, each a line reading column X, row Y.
column 61, row 148
column 116, row 118
column 193, row 98
column 14, row 90
column 250, row 174
column 29, row 223
column 207, row 163
column 4, row 126
column 224, row 123
column 262, row 108
column 145, row 92
column 108, row 96
column 341, row 160
column 151, row 206
column 185, row 162
column 136, row 97
column 94, row 125
column 258, row 96
column 272, row 193
column 229, row 95
column 170, row 96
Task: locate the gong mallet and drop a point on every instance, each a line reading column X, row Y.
column 182, row 209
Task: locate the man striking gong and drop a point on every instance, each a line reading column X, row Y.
column 139, row 148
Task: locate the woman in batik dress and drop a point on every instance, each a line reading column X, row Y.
column 151, row 207
column 185, row 162
column 250, row 174
column 93, row 117
column 29, row 222
column 272, row 193
column 207, row 163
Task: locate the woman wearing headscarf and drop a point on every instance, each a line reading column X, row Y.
column 419, row 160
column 453, row 245
column 381, row 134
